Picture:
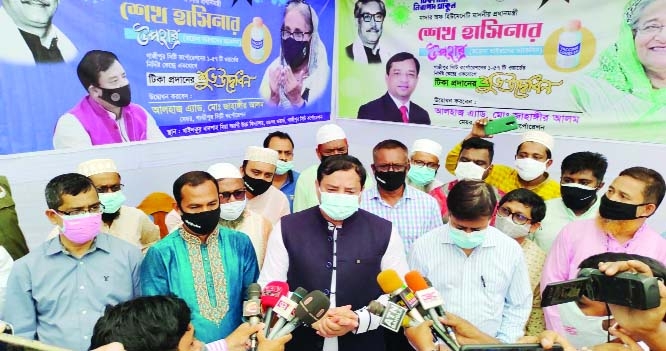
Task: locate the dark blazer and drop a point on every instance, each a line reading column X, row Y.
column 384, row 109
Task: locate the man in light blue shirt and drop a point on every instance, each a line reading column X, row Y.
column 285, row 177
column 56, row 293
column 480, row 272
column 413, row 212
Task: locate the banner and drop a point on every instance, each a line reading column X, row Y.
column 196, row 66
column 571, row 68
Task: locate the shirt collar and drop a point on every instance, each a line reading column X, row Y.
column 193, row 239
column 55, row 246
column 373, row 193
column 398, row 103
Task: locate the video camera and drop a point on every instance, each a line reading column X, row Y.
column 633, row 290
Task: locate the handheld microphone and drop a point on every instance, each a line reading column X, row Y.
column 272, row 292
column 285, row 309
column 389, row 281
column 433, row 303
column 313, row 306
column 393, row 316
column 252, row 310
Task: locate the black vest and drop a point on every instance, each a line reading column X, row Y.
column 361, row 244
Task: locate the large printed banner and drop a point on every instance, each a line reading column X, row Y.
column 572, row 68
column 196, row 66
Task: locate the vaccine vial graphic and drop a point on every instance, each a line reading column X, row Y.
column 257, row 39
column 569, row 46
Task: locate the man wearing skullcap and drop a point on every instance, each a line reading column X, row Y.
column 424, row 163
column 258, row 169
column 125, row 222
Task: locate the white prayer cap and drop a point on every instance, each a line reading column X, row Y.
column 224, row 171
column 428, row 146
column 330, row 132
column 261, row 154
column 97, row 166
column 540, row 137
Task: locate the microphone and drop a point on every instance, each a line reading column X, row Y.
column 313, row 306
column 252, row 310
column 272, row 292
column 389, row 281
column 393, row 316
column 433, row 303
column 285, row 309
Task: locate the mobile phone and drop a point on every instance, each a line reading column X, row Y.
column 563, row 292
column 501, row 125
column 509, row 347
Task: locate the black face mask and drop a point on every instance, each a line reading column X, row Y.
column 577, row 198
column 325, row 157
column 119, row 97
column 390, row 180
column 256, row 186
column 295, row 52
column 202, row 223
column 610, row 209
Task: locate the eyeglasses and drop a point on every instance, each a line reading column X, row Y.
column 237, row 194
column 298, row 36
column 391, row 166
column 651, row 28
column 431, row 165
column 92, row 209
column 367, row 17
column 110, row 188
column 515, row 217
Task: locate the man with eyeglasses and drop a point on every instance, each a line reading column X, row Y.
column 474, row 163
column 234, row 213
column 56, row 293
column 125, row 222
column 413, row 212
column 480, row 271
column 519, row 215
column 208, row 266
column 402, row 75
column 424, row 163
column 369, row 15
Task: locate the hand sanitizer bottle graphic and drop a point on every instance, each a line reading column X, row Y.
column 257, row 39
column 569, row 46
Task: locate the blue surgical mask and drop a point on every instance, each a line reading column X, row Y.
column 112, row 201
column 339, row 206
column 284, row 167
column 467, row 240
column 421, row 175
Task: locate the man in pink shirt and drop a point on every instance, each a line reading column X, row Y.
column 620, row 226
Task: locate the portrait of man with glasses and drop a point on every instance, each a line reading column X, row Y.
column 369, row 16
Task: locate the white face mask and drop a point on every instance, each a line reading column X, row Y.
column 508, row 227
column 232, row 210
column 582, row 330
column 530, row 169
column 469, row 170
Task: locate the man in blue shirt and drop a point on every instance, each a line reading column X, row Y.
column 285, row 177
column 57, row 292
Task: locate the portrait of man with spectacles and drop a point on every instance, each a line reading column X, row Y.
column 369, row 16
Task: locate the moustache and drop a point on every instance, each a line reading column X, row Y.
column 373, row 30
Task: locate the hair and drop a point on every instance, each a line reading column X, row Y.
column 280, row 135
column 303, row 8
column 336, row 163
column 635, row 12
column 549, row 154
column 528, row 198
column 145, row 323
column 479, row 143
column 471, row 200
column 69, row 184
column 389, row 144
column 654, row 183
column 359, row 3
column 402, row 56
column 583, row 161
column 658, row 269
column 192, row 178
column 92, row 63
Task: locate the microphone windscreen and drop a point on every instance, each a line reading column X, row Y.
column 253, row 291
column 313, row 306
column 375, row 307
column 298, row 294
column 389, row 281
column 272, row 293
column 415, row 281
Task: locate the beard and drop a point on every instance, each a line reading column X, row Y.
column 616, row 227
column 234, row 223
column 108, row 218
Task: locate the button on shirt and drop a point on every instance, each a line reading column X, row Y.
column 57, row 298
column 415, row 214
column 490, row 288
